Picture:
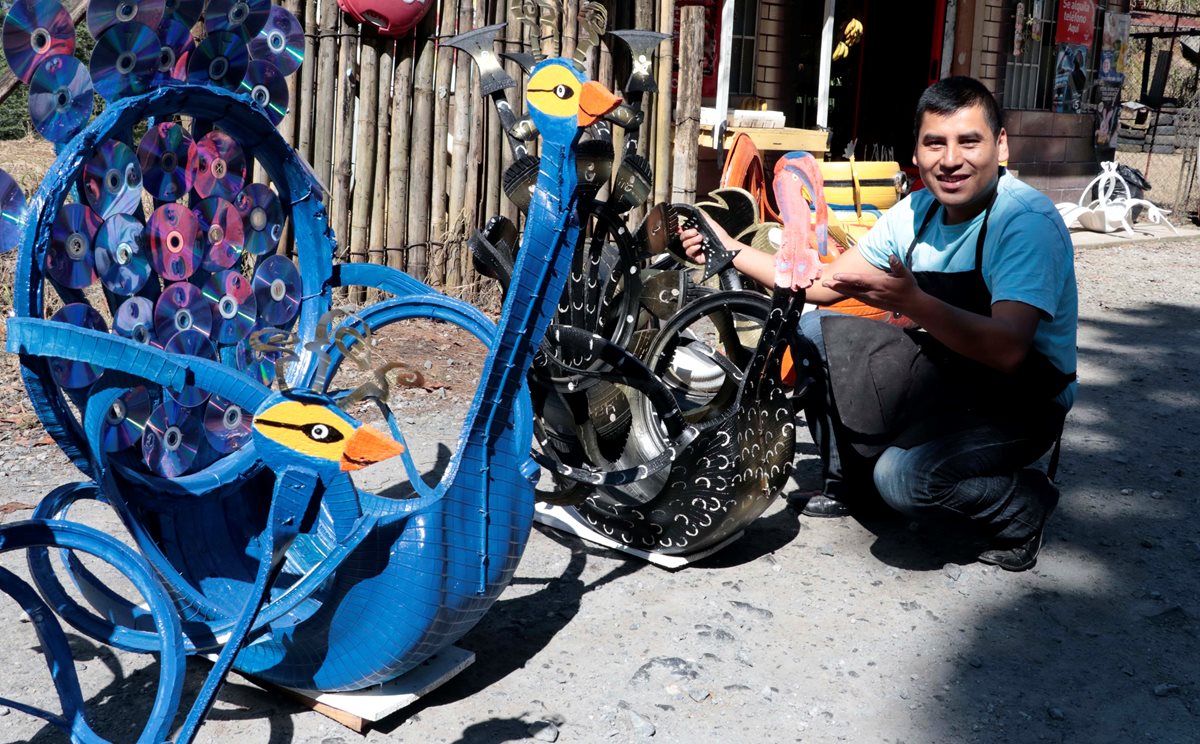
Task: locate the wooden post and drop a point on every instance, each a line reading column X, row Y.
column 421, row 154
column 687, row 107
column 570, row 28
column 361, row 214
column 441, row 133
column 288, row 127
column 382, row 205
column 308, row 73
column 662, row 114
column 400, row 169
column 478, row 138
column 344, row 141
column 325, row 102
column 462, row 168
column 514, row 35
column 643, row 18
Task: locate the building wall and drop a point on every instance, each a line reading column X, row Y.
column 769, row 73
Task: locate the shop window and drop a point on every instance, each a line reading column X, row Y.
column 1040, row 74
column 743, row 53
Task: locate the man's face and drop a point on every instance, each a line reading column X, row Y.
column 959, row 160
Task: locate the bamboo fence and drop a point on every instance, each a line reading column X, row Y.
column 413, row 158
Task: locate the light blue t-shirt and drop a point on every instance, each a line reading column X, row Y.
column 1027, row 257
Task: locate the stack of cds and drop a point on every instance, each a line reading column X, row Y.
column 168, row 243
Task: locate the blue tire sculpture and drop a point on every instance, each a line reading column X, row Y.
column 265, row 552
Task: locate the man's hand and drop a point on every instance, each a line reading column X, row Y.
column 895, row 290
column 693, row 241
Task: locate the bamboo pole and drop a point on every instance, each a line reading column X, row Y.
column 324, row 128
column 441, row 158
column 288, row 126
column 422, row 159
column 643, row 19
column 461, row 167
column 687, row 106
column 476, row 154
column 662, row 113
column 308, row 71
column 364, row 156
column 383, row 123
column 514, row 35
column 399, row 165
column 344, row 140
column 570, row 36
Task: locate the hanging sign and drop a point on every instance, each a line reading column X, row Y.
column 1112, row 48
column 1076, row 22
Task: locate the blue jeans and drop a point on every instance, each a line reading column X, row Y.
column 972, row 473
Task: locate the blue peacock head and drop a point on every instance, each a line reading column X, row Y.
column 562, row 100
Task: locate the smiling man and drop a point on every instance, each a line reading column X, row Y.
column 944, row 420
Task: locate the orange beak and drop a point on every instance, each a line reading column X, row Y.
column 368, row 446
column 595, row 101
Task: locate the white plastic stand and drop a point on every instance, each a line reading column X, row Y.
column 564, row 521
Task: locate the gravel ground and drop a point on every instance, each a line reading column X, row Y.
column 860, row 630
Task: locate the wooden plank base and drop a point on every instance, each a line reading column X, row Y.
column 560, row 519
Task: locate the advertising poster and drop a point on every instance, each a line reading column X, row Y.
column 1076, row 22
column 1108, row 115
column 1070, row 78
column 1112, row 48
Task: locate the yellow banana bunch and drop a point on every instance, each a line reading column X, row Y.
column 840, row 51
column 852, row 32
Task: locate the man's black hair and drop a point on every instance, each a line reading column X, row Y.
column 953, row 94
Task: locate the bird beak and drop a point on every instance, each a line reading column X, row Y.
column 595, row 101
column 368, row 446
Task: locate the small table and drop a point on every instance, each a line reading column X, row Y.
column 787, row 139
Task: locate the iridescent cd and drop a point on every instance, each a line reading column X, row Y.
column 174, row 237
column 220, row 60
column 281, row 42
column 186, row 12
column 277, row 289
column 190, row 343
column 112, row 180
column 256, row 365
column 122, row 262
column 12, row 213
column 164, row 153
column 69, row 260
column 245, row 17
column 69, row 374
column 125, row 60
column 262, row 218
column 103, row 14
column 226, row 425
column 234, row 306
column 175, row 49
column 35, row 30
column 220, row 233
column 126, row 419
column 60, row 97
column 265, row 85
column 135, row 320
column 217, row 166
column 181, row 307
column 171, row 439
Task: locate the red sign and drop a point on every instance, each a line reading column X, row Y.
column 1076, row 22
column 712, row 41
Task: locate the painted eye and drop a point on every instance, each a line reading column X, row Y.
column 322, row 433
column 562, row 91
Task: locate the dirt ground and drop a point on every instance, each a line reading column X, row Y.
column 857, row 630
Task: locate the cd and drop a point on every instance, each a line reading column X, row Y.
column 121, row 259
column 60, row 97
column 164, row 153
column 243, row 17
column 125, row 60
column 68, row 259
column 171, row 440
column 175, row 49
column 267, row 89
column 135, row 320
column 220, row 60
column 104, row 14
column 12, row 213
column 74, row 375
column 220, row 233
column 174, row 238
column 226, row 425
column 255, row 364
column 190, row 342
column 112, row 180
column 234, row 306
column 185, row 12
column 181, row 307
column 262, row 218
column 35, row 30
column 277, row 290
column 281, row 42
column 126, row 419
column 217, row 166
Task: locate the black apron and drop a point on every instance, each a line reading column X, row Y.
column 902, row 387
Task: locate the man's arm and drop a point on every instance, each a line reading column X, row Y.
column 1001, row 341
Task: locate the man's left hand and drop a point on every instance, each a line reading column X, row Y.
column 894, row 291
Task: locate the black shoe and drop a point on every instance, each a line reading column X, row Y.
column 822, row 506
column 1023, row 556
